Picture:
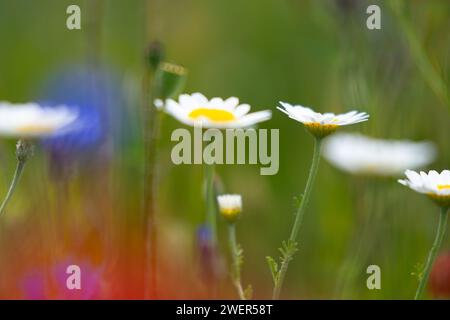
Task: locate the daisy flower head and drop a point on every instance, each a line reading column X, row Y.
column 230, row 206
column 197, row 110
column 433, row 184
column 321, row 124
column 30, row 120
column 359, row 154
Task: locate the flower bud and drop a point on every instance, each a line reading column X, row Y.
column 155, row 54
column 24, row 150
column 230, row 206
column 169, row 81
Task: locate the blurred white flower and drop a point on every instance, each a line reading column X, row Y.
column 31, row 120
column 230, row 206
column 435, row 185
column 359, row 154
column 196, row 109
column 321, row 124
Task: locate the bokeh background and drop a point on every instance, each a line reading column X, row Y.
column 80, row 197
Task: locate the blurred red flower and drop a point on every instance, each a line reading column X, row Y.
column 439, row 284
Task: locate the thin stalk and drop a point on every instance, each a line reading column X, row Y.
column 363, row 240
column 299, row 215
column 12, row 187
column 237, row 260
column 152, row 137
column 443, row 217
column 210, row 202
column 428, row 72
column 93, row 42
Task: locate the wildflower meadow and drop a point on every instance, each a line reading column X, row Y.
column 242, row 150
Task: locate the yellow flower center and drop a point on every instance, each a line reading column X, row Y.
column 443, row 186
column 321, row 130
column 215, row 115
column 35, row 129
column 230, row 214
column 441, row 200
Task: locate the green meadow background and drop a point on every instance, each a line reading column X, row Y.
column 314, row 53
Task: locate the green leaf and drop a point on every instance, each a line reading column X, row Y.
column 239, row 255
column 273, row 266
column 288, row 249
column 418, row 271
column 298, row 200
column 248, row 292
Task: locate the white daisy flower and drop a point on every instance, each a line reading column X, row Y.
column 230, row 206
column 196, row 109
column 435, row 185
column 358, row 154
column 30, row 120
column 321, row 124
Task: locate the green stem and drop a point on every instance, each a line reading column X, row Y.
column 236, row 256
column 299, row 215
column 433, row 252
column 12, row 187
column 152, row 132
column 210, row 202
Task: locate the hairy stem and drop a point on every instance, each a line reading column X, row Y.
column 433, row 252
column 236, row 258
column 299, row 215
